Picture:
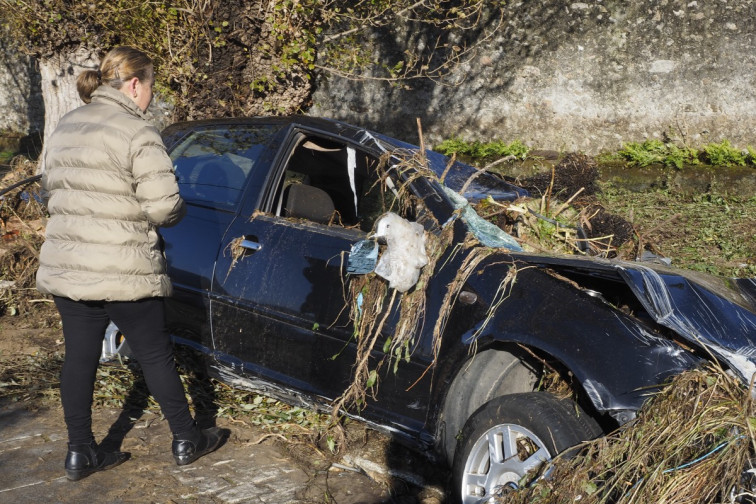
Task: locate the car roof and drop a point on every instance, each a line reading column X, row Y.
column 483, row 185
column 325, row 124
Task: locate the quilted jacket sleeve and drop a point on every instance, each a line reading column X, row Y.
column 155, row 182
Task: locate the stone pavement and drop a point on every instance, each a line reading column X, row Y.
column 244, row 470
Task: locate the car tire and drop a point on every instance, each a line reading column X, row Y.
column 491, row 373
column 536, row 425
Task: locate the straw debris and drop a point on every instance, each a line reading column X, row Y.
column 22, row 221
column 37, row 378
column 689, row 444
column 563, row 216
column 371, row 301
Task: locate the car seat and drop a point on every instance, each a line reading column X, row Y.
column 308, row 202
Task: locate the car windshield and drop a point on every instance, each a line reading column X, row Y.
column 212, row 164
column 472, row 183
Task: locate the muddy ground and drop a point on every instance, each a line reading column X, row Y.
column 254, row 466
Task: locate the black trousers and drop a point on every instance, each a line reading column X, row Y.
column 143, row 324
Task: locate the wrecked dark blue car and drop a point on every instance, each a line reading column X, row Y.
column 265, row 287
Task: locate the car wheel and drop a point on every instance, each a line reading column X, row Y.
column 491, row 373
column 511, row 435
column 114, row 344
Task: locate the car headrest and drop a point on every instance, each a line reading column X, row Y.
column 308, row 202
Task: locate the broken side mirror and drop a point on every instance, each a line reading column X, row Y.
column 363, row 257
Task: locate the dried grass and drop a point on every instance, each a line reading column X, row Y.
column 37, row 377
column 689, row 444
column 22, row 222
column 371, row 302
column 566, row 218
column 236, row 251
column 29, row 377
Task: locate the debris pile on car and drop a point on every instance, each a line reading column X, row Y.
column 563, row 216
column 691, row 443
column 372, row 294
column 370, row 302
column 517, row 226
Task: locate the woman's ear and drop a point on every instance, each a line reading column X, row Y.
column 132, row 86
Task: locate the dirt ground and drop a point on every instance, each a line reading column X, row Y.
column 254, row 466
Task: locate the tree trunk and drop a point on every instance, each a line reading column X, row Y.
column 59, row 74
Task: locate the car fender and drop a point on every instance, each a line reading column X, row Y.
column 617, row 359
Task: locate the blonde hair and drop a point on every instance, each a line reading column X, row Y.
column 117, row 67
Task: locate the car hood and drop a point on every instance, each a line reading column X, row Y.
column 712, row 313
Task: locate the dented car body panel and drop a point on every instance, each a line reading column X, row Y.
column 708, row 313
column 617, row 359
column 261, row 286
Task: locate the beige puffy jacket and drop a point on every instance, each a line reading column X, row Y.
column 110, row 184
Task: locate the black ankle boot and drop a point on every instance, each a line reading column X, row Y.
column 85, row 459
column 191, row 445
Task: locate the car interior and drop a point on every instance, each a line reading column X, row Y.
column 330, row 182
column 325, row 181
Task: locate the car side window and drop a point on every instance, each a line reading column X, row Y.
column 333, row 183
column 212, row 165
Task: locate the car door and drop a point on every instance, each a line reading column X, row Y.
column 279, row 301
column 214, row 165
column 278, row 295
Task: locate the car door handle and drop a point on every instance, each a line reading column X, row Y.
column 250, row 245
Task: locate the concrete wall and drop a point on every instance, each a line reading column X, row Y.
column 556, row 74
column 581, row 76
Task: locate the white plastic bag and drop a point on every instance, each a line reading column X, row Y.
column 405, row 252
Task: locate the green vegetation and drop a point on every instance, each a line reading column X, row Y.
column 702, row 232
column 644, row 153
column 246, row 58
column 724, row 154
column 656, row 152
column 482, row 151
column 671, row 155
column 705, row 232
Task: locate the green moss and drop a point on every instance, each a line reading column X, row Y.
column 656, row 152
column 724, row 154
column 669, row 154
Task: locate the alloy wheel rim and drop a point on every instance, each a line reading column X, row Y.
column 498, row 461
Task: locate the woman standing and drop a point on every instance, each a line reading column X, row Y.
column 110, row 184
